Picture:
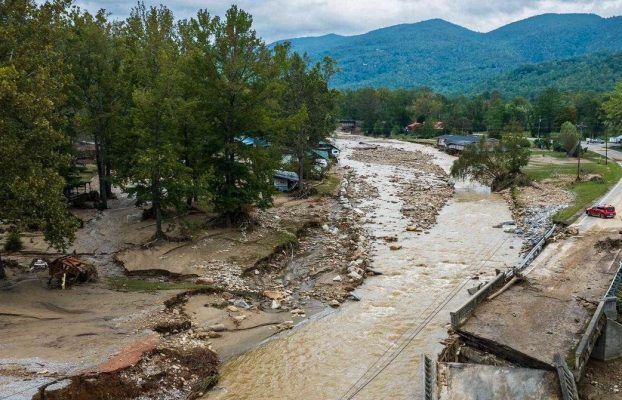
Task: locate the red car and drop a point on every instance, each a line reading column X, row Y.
column 604, row 211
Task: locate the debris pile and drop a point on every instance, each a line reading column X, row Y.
column 533, row 208
column 69, row 270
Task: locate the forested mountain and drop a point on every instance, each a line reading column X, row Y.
column 597, row 72
column 453, row 59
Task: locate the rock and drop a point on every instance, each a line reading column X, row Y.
column 413, row 228
column 276, row 304
column 241, row 303
column 227, row 295
column 334, row 303
column 217, row 328
column 205, row 281
column 374, row 271
column 395, row 247
column 297, row 311
column 239, row 318
column 355, row 276
column 256, row 272
column 273, row 294
column 355, row 297
column 213, row 334
column 232, row 309
column 337, row 278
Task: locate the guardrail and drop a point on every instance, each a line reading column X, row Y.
column 598, row 322
column 615, row 283
column 566, row 380
column 529, row 257
column 428, row 372
column 589, row 338
column 463, row 313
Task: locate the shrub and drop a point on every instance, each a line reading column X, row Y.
column 13, row 242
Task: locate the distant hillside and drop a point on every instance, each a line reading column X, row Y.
column 596, row 72
column 453, row 59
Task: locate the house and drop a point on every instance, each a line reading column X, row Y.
column 254, row 142
column 457, row 143
column 324, row 155
column 438, row 126
column 285, row 181
column 332, row 150
column 349, row 124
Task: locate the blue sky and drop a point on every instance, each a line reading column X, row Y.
column 282, row 19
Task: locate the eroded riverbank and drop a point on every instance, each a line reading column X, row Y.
column 327, row 357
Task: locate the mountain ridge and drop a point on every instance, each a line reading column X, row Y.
column 453, row 59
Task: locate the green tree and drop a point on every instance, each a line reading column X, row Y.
column 495, row 118
column 97, row 90
column 613, row 107
column 241, row 101
column 497, row 166
column 309, row 105
column 569, row 137
column 34, row 81
column 427, row 106
column 153, row 170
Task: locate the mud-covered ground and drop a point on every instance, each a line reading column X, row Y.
column 287, row 263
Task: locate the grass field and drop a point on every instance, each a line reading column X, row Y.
column 141, row 285
column 586, row 192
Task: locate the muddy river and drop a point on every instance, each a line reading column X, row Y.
column 371, row 349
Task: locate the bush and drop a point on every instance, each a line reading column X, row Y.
column 13, row 242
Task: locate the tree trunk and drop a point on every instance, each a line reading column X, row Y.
column 108, row 180
column 2, row 273
column 157, row 209
column 301, row 170
column 101, row 174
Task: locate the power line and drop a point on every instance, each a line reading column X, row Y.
column 401, row 346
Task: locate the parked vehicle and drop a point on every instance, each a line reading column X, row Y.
column 603, row 211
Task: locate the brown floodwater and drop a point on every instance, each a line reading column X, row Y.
column 403, row 313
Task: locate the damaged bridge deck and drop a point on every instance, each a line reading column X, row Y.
column 548, row 312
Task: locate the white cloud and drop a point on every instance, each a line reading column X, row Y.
column 280, row 19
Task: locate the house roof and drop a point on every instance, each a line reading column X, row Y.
column 324, row 144
column 289, row 175
column 321, row 153
column 464, row 140
column 251, row 141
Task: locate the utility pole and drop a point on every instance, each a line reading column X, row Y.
column 580, row 126
column 606, row 146
column 539, row 122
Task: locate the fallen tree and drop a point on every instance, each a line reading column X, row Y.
column 498, row 166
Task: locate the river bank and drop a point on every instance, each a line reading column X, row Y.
column 275, row 291
column 339, row 351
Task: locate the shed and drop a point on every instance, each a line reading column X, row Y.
column 321, row 154
column 285, row 181
column 332, row 150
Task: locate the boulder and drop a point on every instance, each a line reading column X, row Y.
column 217, row 328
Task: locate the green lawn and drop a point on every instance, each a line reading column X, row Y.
column 586, row 193
column 411, row 139
column 328, row 186
column 141, row 285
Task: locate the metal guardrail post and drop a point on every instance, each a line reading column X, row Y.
column 566, row 380
column 589, row 338
column 614, row 288
column 428, row 372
